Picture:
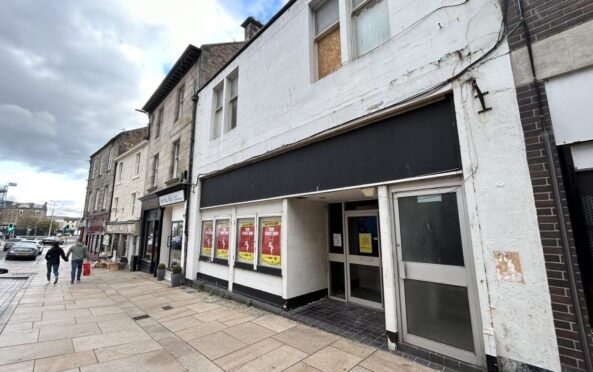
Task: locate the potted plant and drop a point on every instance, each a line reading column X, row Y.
column 176, row 276
column 160, row 272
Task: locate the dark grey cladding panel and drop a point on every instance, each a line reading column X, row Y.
column 416, row 143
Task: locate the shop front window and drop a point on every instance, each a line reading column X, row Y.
column 222, row 239
column 246, row 240
column 175, row 243
column 269, row 241
column 207, row 239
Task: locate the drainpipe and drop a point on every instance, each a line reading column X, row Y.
column 557, row 201
column 194, row 99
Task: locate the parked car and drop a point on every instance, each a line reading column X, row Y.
column 10, row 242
column 37, row 244
column 22, row 249
column 51, row 240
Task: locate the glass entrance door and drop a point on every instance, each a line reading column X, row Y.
column 435, row 295
column 363, row 259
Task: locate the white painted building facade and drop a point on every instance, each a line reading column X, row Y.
column 361, row 175
column 124, row 223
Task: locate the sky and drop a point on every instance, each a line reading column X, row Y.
column 72, row 72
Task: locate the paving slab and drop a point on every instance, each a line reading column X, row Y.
column 160, row 361
column 306, row 339
column 20, row 353
column 237, row 359
column 216, row 345
column 125, row 350
column 330, row 359
column 65, row 362
column 249, row 333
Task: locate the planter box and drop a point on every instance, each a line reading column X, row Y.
column 176, row 279
column 160, row 274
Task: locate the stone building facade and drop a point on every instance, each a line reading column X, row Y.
column 100, row 187
column 170, row 109
column 12, row 211
column 124, row 223
column 552, row 57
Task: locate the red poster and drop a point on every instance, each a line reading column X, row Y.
column 246, row 241
column 270, row 245
column 222, row 240
column 207, row 239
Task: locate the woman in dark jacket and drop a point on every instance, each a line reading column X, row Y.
column 53, row 260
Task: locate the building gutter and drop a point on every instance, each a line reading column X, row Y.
column 189, row 186
column 557, row 200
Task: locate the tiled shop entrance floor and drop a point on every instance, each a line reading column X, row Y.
column 359, row 323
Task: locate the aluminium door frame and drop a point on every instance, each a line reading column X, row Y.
column 441, row 185
column 358, row 261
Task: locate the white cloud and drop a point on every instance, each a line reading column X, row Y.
column 73, row 72
column 22, row 122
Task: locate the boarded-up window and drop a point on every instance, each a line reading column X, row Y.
column 327, row 38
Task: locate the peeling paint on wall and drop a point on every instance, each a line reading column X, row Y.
column 508, row 267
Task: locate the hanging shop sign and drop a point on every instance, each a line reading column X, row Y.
column 207, row 239
column 222, row 240
column 172, row 198
column 122, row 228
column 246, row 241
column 270, row 246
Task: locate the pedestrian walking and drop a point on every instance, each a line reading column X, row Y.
column 53, row 261
column 79, row 252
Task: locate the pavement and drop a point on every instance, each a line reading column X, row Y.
column 128, row 321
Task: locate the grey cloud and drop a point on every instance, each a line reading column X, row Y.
column 66, row 86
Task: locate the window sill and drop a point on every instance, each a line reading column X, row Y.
column 269, row 271
column 258, row 269
column 136, row 177
column 243, row 265
column 220, row 261
column 172, row 181
column 151, row 189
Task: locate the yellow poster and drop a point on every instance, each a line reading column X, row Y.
column 365, row 243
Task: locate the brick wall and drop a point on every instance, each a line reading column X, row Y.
column 547, row 17
column 564, row 317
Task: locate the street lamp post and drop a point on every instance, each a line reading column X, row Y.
column 51, row 221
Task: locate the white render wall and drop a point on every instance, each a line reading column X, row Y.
column 306, row 253
column 279, row 104
column 129, row 183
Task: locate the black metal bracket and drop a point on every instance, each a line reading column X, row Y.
column 480, row 95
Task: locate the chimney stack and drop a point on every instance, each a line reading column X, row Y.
column 251, row 26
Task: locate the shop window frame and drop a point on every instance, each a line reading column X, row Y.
column 216, row 259
column 277, row 271
column 236, row 262
column 201, row 256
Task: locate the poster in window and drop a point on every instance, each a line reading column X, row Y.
column 207, row 239
column 246, row 241
column 222, row 240
column 270, row 242
column 365, row 243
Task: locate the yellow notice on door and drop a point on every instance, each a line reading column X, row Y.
column 365, row 243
